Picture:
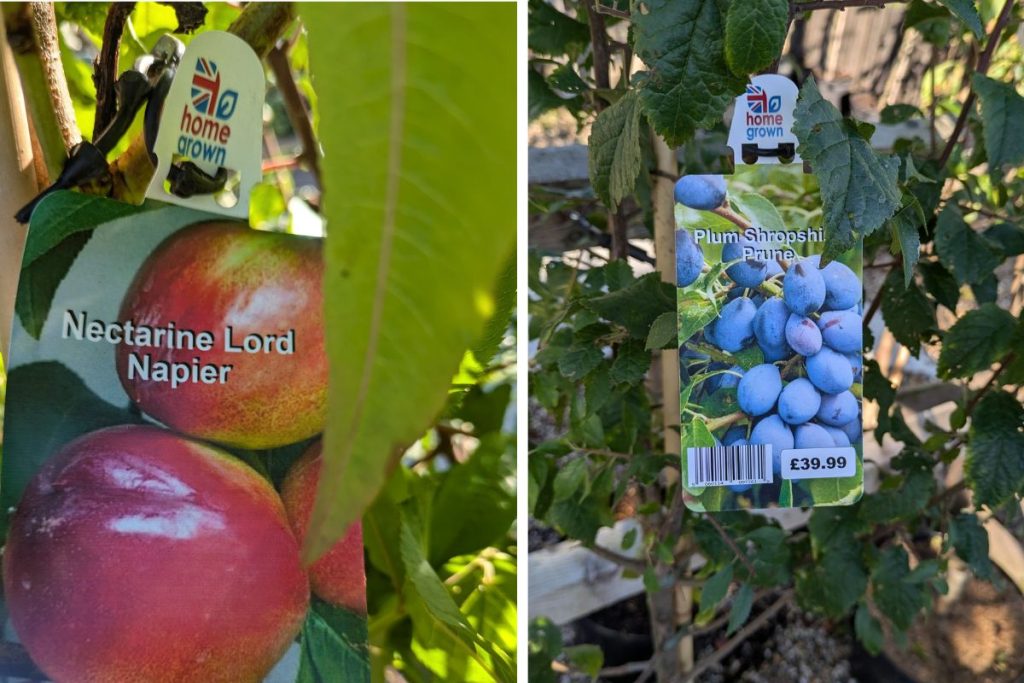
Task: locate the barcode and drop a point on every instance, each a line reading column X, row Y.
column 729, row 465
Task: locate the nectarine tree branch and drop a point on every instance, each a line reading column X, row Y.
column 295, row 106
column 105, row 65
column 44, row 27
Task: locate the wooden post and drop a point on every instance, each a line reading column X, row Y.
column 17, row 178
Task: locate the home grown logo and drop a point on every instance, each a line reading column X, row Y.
column 204, row 128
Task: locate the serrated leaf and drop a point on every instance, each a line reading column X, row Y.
column 397, row 319
column 906, row 501
column 631, row 363
column 859, row 190
column 898, row 597
column 740, row 610
column 995, row 450
column 663, row 331
column 834, row 583
column 688, row 84
column 1007, row 237
column 579, row 360
column 1002, row 110
column 966, row 253
column 908, row 313
column 637, row 305
column 869, row 630
column 970, row 541
column 967, row 13
column 976, row 341
column 614, row 149
column 754, row 34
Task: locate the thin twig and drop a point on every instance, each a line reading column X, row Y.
column 610, row 11
column 295, row 106
column 875, row 303
column 621, row 560
column 1006, row 360
column 983, row 63
column 813, row 5
column 105, row 66
column 750, row 629
column 742, row 556
column 44, row 26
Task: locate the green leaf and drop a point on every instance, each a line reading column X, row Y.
column 905, row 226
column 940, row 283
column 688, row 84
column 631, row 363
column 967, row 13
column 896, row 594
column 1002, row 110
column 898, row 113
column 587, row 658
column 965, row 252
column 869, row 630
column 571, row 480
column 410, row 272
column 838, row 490
column 740, row 610
column 859, row 190
column 552, row 33
column 754, row 34
column 637, row 305
column 579, row 360
column 976, row 341
column 545, row 645
column 47, row 406
column 615, row 150
column 713, row 592
column 1009, row 238
column 995, row 450
column 760, row 210
column 334, row 646
column 834, row 583
column 970, row 541
column 663, row 332
column 907, row 311
column 906, row 501
column 497, row 327
column 695, row 312
column 540, row 95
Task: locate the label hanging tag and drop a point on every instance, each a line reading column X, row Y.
column 213, row 117
column 770, row 333
column 762, row 122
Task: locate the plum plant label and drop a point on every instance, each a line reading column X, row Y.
column 213, row 117
column 819, row 463
column 770, row 341
column 762, row 122
column 167, row 398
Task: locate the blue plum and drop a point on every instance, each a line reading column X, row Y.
column 838, row 435
column 842, row 288
column 774, row 432
column 799, row 402
column 813, row 436
column 857, row 365
column 702, row 192
column 853, row 430
column 803, row 288
column 803, row 335
column 734, row 435
column 842, row 330
column 830, row 371
column 749, row 273
column 838, row 409
column 770, row 323
column 689, row 258
column 773, row 268
column 759, row 389
column 734, row 329
column 775, row 353
column 724, row 380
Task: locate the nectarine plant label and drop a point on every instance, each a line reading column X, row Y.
column 165, row 452
column 770, row 331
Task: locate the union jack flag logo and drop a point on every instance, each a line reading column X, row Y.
column 205, row 87
column 760, row 102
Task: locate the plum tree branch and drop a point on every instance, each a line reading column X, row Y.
column 983, row 64
column 740, row 555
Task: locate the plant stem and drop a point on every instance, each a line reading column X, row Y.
column 105, row 66
column 813, row 5
column 983, row 63
column 298, row 114
column 740, row 555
